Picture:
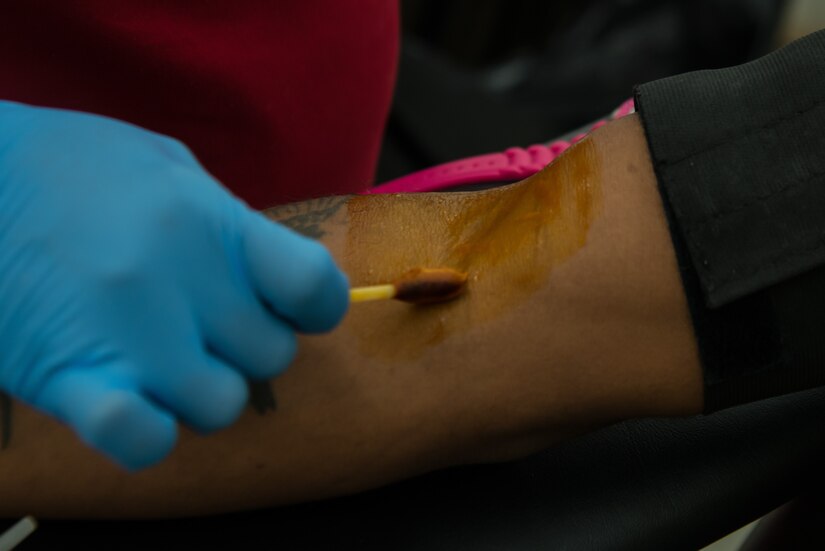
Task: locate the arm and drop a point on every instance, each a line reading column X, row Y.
column 574, row 318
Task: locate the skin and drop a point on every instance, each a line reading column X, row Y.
column 573, row 318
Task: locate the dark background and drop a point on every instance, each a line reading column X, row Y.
column 478, row 76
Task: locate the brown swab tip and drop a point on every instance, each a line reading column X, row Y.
column 428, row 285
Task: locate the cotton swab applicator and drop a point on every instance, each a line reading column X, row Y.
column 418, row 286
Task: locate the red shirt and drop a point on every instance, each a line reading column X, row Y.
column 280, row 100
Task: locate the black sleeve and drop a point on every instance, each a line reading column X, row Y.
column 740, row 158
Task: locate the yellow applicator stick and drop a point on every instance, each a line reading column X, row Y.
column 418, row 286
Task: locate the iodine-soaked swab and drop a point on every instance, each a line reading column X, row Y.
column 418, row 286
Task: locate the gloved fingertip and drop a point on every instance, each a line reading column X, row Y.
column 111, row 415
column 129, row 429
column 296, row 276
column 227, row 393
column 333, row 303
column 317, row 302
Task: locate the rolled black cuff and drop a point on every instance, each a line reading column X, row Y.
column 739, row 154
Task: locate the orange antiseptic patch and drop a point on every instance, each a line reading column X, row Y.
column 507, row 240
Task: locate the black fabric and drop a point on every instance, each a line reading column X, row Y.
column 477, row 76
column 739, row 154
column 740, row 158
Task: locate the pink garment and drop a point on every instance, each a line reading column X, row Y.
column 512, row 165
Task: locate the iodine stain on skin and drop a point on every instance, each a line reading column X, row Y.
column 507, row 240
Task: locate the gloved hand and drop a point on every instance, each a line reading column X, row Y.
column 135, row 291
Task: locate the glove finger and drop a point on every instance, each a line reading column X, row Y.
column 110, row 415
column 296, row 276
column 240, row 330
column 203, row 391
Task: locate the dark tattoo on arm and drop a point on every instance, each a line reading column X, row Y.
column 262, row 397
column 307, row 218
column 5, row 420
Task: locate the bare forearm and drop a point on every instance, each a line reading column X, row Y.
column 573, row 318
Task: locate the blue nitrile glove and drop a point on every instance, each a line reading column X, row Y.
column 135, row 291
